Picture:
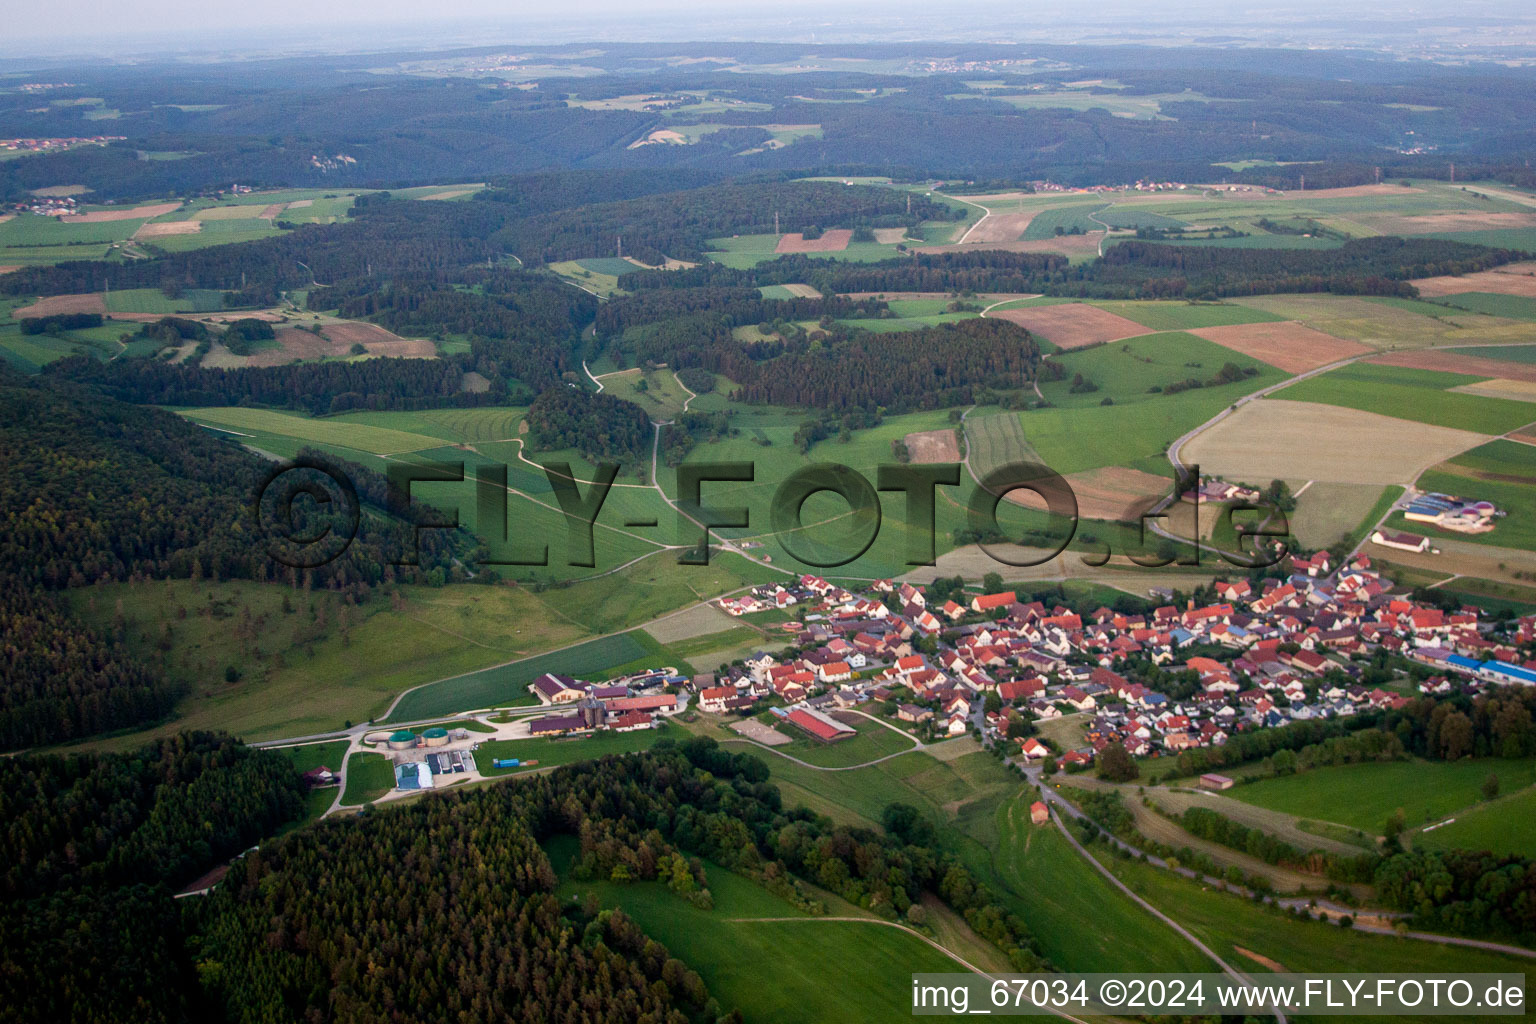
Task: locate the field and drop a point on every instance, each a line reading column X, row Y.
column 1512, row 279
column 1073, row 325
column 831, row 240
column 1506, row 824
column 1419, row 395
column 507, row 685
column 1277, row 439
column 375, row 440
column 1511, row 307
column 1126, row 371
column 1364, row 796
column 1288, row 346
column 301, row 674
column 1512, row 362
column 661, row 396
column 743, row 251
column 932, row 446
column 1329, row 510
column 748, row 928
column 1387, row 324
column 1230, row 925
column 1186, row 316
column 369, row 776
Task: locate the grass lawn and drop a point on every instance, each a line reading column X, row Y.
column 369, row 776
column 1414, row 395
column 550, row 752
column 1506, row 824
column 302, row 672
column 730, row 953
column 1364, row 796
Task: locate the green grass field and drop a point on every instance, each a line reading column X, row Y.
column 1513, row 307
column 1058, row 893
column 1045, row 223
column 153, row 300
column 1506, row 353
column 1125, row 370
column 1229, row 924
column 1364, row 796
column 369, row 776
column 730, row 944
column 662, row 397
column 507, row 685
column 1185, row 316
column 334, row 432
column 1414, row 395
column 551, row 752
column 1504, row 825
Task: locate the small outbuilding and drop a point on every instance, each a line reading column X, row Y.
column 1213, row 781
column 1039, row 813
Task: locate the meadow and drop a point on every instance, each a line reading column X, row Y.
column 1185, row 316
column 748, row 927
column 661, row 396
column 1365, row 795
column 1504, row 825
column 303, row 672
column 1125, row 371
column 332, row 432
column 1231, row 925
column 1420, row 395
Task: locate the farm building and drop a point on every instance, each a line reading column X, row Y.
column 402, row 740
column 1039, row 813
column 1400, row 541
column 1211, row 780
column 1451, row 513
column 822, row 726
column 434, row 737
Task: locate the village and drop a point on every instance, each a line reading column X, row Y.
column 1265, row 654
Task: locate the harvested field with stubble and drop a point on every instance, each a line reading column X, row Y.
column 129, row 213
column 1285, row 345
column 1073, row 324
column 1456, row 362
column 1512, row 279
column 1115, row 493
column 54, row 305
column 1519, row 390
column 1450, row 221
column 999, row 227
column 336, row 342
column 833, row 240
column 803, row 291
column 1288, row 440
column 161, row 229
column 933, row 446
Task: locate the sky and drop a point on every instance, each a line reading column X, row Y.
column 95, row 26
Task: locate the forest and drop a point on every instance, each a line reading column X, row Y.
column 101, row 490
column 601, row 427
column 332, row 922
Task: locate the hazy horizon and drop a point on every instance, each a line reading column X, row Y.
column 172, row 27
